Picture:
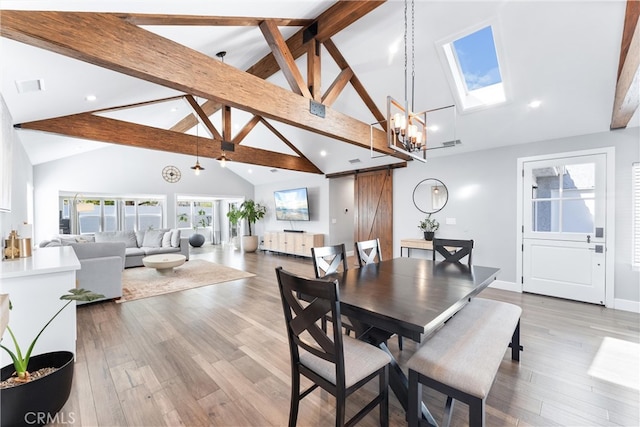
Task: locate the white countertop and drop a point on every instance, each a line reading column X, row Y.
column 43, row 261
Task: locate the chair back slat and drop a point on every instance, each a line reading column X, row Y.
column 328, row 259
column 302, row 318
column 368, row 252
column 453, row 250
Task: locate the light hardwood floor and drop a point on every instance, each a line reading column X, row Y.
column 218, row 355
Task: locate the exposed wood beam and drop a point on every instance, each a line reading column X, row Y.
column 246, row 129
column 209, row 107
column 287, row 63
column 142, row 54
column 314, row 70
column 330, row 22
column 337, row 86
column 282, row 138
column 210, row 21
column 226, row 123
column 355, row 82
column 203, row 117
column 90, row 126
column 627, row 98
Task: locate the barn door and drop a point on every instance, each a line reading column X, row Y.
column 374, row 209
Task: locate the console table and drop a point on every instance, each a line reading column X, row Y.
column 409, row 244
column 34, row 285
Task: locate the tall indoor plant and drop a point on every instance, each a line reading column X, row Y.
column 252, row 212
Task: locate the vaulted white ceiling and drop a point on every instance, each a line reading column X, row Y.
column 563, row 53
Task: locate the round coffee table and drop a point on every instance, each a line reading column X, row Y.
column 164, row 263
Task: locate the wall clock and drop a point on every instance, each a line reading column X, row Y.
column 171, row 174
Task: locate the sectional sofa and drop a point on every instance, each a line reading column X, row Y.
column 138, row 244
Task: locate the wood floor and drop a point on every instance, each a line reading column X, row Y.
column 217, row 355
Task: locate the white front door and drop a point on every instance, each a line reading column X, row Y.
column 564, row 236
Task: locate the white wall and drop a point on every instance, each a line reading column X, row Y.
column 482, row 199
column 21, row 177
column 318, row 193
column 127, row 171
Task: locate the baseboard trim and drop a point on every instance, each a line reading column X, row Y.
column 507, row 286
column 626, row 305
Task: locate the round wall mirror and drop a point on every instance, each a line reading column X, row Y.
column 430, row 195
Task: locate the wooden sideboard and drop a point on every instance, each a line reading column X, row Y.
column 292, row 243
column 409, row 244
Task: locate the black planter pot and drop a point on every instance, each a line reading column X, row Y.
column 196, row 240
column 428, row 235
column 37, row 402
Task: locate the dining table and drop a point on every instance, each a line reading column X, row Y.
column 410, row 297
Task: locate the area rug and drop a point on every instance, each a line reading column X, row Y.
column 143, row 282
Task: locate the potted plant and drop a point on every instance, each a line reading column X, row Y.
column 251, row 211
column 234, row 216
column 429, row 227
column 40, row 384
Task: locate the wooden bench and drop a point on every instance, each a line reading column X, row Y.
column 462, row 358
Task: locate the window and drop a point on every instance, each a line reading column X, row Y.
column 635, row 171
column 475, row 70
column 112, row 214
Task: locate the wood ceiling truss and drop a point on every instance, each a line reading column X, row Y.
column 627, row 97
column 142, row 54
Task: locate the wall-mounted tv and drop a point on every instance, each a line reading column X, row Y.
column 292, row 205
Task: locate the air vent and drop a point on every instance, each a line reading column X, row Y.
column 25, row 86
column 354, row 161
column 273, row 170
column 451, row 143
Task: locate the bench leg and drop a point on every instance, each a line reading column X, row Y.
column 414, row 410
column 516, row 348
column 476, row 412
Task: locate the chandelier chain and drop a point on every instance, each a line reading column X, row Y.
column 413, row 55
column 406, row 89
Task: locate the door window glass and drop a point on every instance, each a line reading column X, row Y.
column 563, row 198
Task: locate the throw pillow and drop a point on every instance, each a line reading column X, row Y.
column 175, row 238
column 128, row 237
column 166, row 239
column 153, row 238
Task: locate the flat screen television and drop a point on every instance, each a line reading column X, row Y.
column 292, row 205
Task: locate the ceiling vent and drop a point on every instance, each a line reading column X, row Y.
column 273, row 170
column 25, row 86
column 354, row 161
column 451, row 143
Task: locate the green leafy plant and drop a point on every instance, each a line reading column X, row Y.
column 202, row 222
column 252, row 212
column 20, row 362
column 183, row 217
column 234, row 215
column 429, row 224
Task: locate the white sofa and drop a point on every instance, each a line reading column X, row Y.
column 101, row 266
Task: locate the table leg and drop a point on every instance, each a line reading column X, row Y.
column 399, row 384
column 398, row 381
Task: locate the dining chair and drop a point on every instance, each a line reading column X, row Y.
column 367, row 251
column 453, row 250
column 335, row 362
column 327, row 260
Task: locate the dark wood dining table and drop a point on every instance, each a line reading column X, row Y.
column 409, row 297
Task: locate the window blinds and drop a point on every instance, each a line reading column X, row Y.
column 635, row 171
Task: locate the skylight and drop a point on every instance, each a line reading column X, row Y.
column 475, row 69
